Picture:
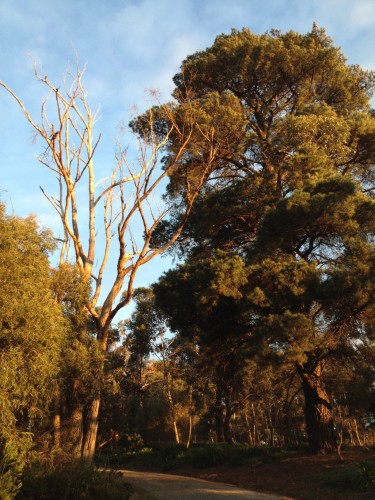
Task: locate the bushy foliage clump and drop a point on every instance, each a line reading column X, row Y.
column 358, row 477
column 200, row 456
column 78, row 480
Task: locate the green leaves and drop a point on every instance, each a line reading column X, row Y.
column 314, row 221
column 31, row 338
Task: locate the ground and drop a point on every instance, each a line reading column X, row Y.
column 300, row 477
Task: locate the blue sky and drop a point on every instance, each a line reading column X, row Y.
column 130, row 46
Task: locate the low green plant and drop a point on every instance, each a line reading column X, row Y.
column 199, row 456
column 133, row 442
column 358, row 477
column 10, row 471
column 232, row 455
column 78, row 480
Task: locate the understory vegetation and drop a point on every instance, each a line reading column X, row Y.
column 198, row 457
column 259, row 340
column 77, row 479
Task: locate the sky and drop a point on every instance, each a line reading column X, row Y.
column 130, row 47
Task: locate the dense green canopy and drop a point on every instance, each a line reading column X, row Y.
column 289, row 132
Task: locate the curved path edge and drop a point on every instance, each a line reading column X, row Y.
column 153, row 485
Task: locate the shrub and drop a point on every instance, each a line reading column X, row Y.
column 358, row 477
column 10, row 472
column 78, row 480
column 199, row 456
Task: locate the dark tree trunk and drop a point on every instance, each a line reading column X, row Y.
column 219, row 412
column 74, row 433
column 72, row 424
column 318, row 411
column 219, row 422
column 228, row 437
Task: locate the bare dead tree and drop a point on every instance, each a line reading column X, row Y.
column 122, row 201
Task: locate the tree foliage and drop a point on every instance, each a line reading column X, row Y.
column 31, row 338
column 290, row 128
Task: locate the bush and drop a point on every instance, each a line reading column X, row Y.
column 78, row 480
column 358, row 477
column 207, row 456
column 198, row 456
column 231, row 455
column 132, row 442
column 10, row 472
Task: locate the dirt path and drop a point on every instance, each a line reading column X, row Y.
column 152, row 485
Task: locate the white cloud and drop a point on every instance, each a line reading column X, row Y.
column 131, row 46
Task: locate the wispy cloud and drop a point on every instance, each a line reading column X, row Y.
column 131, row 46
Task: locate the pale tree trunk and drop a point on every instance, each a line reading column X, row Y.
column 248, row 426
column 190, row 415
column 168, row 390
column 340, row 432
column 56, row 430
column 219, row 413
column 255, row 436
column 354, row 425
column 172, row 412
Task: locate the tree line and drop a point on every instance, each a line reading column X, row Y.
column 263, row 330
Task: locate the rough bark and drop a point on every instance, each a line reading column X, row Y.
column 250, row 435
column 228, row 437
column 171, row 406
column 190, row 416
column 318, row 411
column 89, row 441
column 219, row 422
column 75, row 431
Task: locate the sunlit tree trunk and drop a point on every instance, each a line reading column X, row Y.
column 190, row 416
column 249, row 430
column 228, row 435
column 219, row 414
column 92, row 419
column 168, row 388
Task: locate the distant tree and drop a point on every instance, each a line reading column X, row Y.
column 148, row 335
column 201, row 305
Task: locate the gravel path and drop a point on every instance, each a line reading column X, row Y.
column 152, row 485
